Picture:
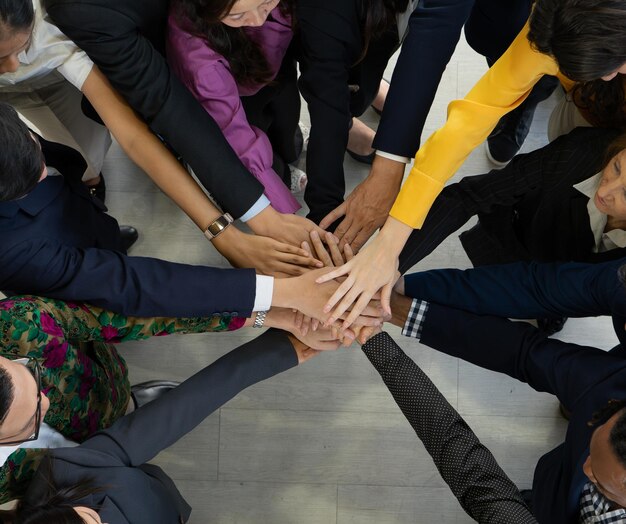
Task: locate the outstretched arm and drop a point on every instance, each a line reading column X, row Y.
column 473, row 474
column 138, row 437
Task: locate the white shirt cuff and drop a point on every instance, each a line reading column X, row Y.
column 396, row 158
column 258, row 206
column 264, row 292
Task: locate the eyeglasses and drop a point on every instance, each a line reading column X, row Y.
column 33, row 366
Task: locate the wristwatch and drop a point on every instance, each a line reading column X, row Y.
column 218, row 225
column 259, row 319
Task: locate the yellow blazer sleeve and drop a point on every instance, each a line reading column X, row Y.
column 470, row 120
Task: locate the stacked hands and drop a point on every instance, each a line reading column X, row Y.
column 305, row 317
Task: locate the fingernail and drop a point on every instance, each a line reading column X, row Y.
column 319, row 264
column 335, row 238
column 314, row 234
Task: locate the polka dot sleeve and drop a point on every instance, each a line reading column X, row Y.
column 468, row 467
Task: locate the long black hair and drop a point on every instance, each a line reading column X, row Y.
column 55, row 503
column 379, row 16
column 247, row 62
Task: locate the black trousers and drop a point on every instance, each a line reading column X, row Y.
column 275, row 110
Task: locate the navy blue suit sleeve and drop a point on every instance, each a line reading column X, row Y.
column 133, row 286
column 140, row 436
column 521, row 351
column 434, row 29
column 109, row 32
column 526, row 290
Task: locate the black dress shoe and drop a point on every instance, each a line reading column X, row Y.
column 550, row 326
column 129, row 236
column 99, row 190
column 364, row 159
column 149, row 391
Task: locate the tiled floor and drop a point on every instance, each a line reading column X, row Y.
column 325, row 443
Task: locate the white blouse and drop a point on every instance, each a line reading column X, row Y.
column 50, row 58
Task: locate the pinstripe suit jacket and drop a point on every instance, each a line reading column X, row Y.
column 527, row 210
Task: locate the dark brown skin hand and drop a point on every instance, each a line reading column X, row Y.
column 367, row 207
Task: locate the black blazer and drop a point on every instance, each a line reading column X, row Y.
column 126, row 39
column 527, row 211
column 584, row 379
column 58, row 241
column 140, row 493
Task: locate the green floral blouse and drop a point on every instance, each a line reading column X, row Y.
column 82, row 374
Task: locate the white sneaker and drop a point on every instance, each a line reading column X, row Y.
column 298, row 179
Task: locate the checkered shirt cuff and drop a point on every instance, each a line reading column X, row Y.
column 414, row 321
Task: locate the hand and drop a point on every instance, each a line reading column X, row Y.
column 374, row 269
column 266, row 255
column 304, row 294
column 292, row 229
column 368, row 206
column 363, row 334
column 323, row 339
column 303, row 352
column 333, row 259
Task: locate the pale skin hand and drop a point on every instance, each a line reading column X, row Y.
column 374, row 269
column 331, row 256
column 147, row 151
column 304, row 294
column 367, row 207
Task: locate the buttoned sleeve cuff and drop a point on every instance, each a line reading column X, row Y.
column 395, row 158
column 264, row 292
column 256, row 208
column 415, row 319
column 415, row 199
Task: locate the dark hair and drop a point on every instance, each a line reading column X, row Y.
column 21, row 159
column 6, row 393
column 15, row 15
column 602, row 103
column 617, row 436
column 247, row 62
column 56, row 503
column 379, row 17
column 617, row 145
column 587, row 38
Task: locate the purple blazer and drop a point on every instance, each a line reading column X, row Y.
column 207, row 75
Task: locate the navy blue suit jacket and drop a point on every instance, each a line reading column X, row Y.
column 583, row 378
column 529, row 290
column 59, row 242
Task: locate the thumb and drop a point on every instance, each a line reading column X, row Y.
column 385, row 298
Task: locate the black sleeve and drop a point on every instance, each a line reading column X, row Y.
column 140, row 436
column 473, row 474
column 112, row 35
